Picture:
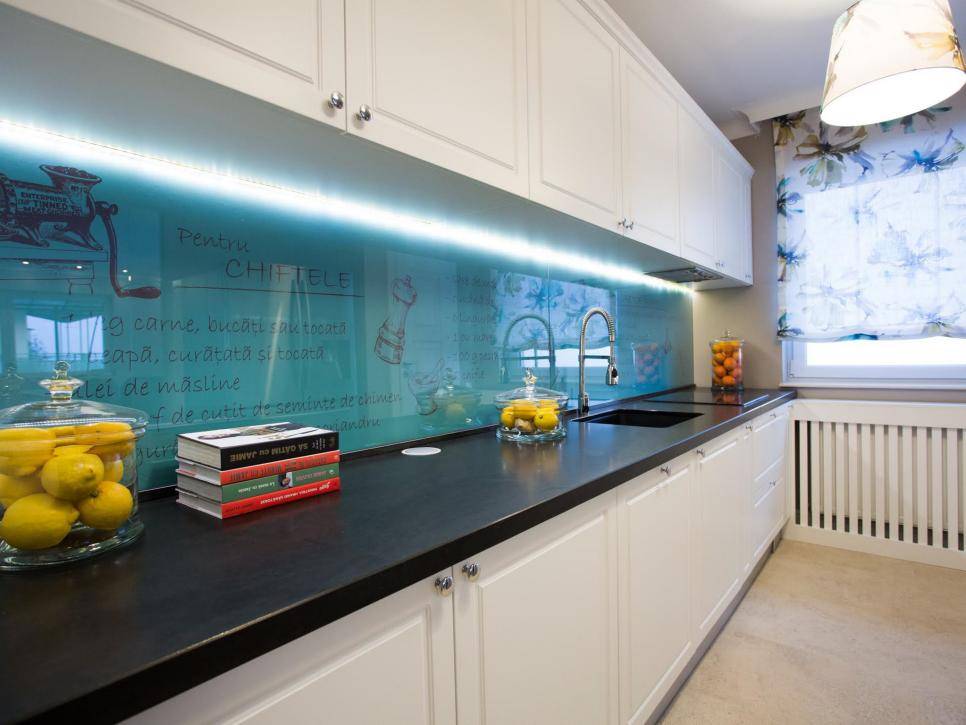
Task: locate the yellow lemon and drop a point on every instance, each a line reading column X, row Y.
column 107, row 507
column 63, row 431
column 38, row 521
column 24, row 450
column 71, row 450
column 122, row 449
column 72, row 477
column 524, row 409
column 545, row 419
column 113, row 468
column 507, row 417
column 103, row 434
column 12, row 488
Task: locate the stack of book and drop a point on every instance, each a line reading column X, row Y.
column 239, row 470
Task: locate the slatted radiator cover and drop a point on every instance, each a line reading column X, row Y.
column 885, row 472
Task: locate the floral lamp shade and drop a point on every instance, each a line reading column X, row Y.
column 891, row 58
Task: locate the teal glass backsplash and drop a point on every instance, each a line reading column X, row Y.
column 210, row 308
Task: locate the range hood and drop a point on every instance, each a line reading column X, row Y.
column 687, row 274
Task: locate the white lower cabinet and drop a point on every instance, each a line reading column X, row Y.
column 654, row 559
column 391, row 662
column 536, row 632
column 588, row 618
column 720, row 491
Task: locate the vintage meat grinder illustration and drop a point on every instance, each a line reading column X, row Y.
column 58, row 218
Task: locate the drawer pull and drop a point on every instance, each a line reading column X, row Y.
column 444, row 585
column 700, row 452
column 772, row 483
column 666, row 470
column 471, row 571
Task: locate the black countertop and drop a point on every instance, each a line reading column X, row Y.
column 103, row 639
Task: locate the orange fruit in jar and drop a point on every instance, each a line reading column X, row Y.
column 717, row 380
column 728, row 380
column 719, row 372
column 719, row 357
column 716, row 347
column 729, row 363
column 736, row 373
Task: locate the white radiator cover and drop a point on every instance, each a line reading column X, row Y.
column 885, row 478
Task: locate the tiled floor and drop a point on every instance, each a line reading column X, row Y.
column 832, row 636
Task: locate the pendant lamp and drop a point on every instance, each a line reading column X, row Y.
column 889, row 59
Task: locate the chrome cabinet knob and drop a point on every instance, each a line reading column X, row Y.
column 749, row 427
column 629, row 226
column 365, row 113
column 700, row 452
column 471, row 571
column 336, row 100
column 666, row 470
column 444, row 585
column 622, row 223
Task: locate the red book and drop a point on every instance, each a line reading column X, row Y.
column 255, row 503
column 236, row 475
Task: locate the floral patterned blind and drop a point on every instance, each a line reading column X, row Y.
column 872, row 226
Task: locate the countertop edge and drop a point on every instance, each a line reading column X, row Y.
column 166, row 678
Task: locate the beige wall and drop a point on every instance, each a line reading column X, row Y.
column 749, row 312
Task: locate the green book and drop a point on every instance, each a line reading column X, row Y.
column 256, row 486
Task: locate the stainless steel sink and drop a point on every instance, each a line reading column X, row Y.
column 640, row 418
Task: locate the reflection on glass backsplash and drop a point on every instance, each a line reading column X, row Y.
column 206, row 311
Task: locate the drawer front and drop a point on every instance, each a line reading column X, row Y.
column 768, row 510
column 769, row 438
column 770, row 478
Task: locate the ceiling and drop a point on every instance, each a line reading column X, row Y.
column 742, row 59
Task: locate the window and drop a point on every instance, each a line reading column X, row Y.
column 933, row 362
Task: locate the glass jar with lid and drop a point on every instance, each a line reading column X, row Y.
column 531, row 414
column 727, row 368
column 68, row 477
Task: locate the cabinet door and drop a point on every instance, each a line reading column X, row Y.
column 746, row 237
column 769, row 440
column 697, row 192
column 391, row 662
column 649, row 123
column 729, row 219
column 291, row 54
column 536, row 632
column 573, row 66
column 445, row 81
column 721, row 493
column 655, row 587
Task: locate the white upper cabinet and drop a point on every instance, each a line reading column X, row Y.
column 697, row 160
column 291, row 54
column 573, row 65
column 649, row 123
column 729, row 218
column 443, row 80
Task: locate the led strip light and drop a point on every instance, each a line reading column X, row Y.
column 332, row 208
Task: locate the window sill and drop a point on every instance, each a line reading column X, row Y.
column 863, row 385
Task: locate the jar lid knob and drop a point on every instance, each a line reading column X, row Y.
column 529, row 379
column 61, row 386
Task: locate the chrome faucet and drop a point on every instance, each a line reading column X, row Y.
column 612, row 377
column 551, row 352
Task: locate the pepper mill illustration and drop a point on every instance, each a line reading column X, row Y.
column 392, row 333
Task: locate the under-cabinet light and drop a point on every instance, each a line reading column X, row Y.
column 336, row 209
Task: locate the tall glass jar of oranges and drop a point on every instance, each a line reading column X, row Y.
column 68, row 477
column 726, row 362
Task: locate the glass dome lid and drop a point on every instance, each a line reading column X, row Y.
column 530, row 391
column 63, row 409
